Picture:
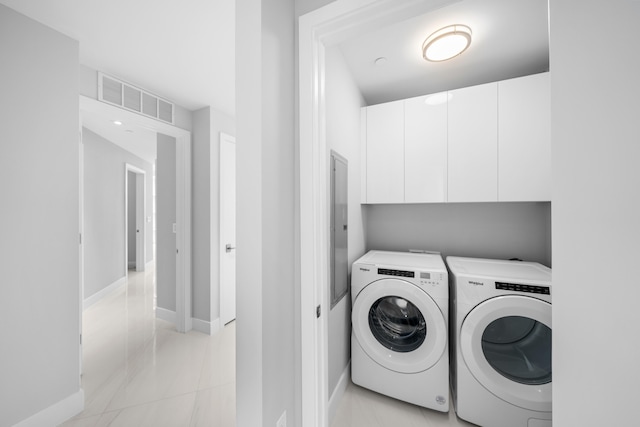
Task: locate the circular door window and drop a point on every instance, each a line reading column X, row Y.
column 519, row 348
column 505, row 342
column 397, row 324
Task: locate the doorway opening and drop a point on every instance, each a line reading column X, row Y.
column 135, row 228
column 227, row 229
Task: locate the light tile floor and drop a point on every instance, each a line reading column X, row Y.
column 361, row 407
column 138, row 371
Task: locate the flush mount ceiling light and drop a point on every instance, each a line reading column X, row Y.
column 446, row 43
column 117, row 122
column 380, row 61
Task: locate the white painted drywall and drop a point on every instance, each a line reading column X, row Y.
column 249, row 218
column 39, row 218
column 104, row 244
column 207, row 125
column 484, row 230
column 200, row 214
column 343, row 103
column 166, row 217
column 595, row 136
column 266, row 316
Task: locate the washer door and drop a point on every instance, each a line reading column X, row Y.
column 399, row 326
column 506, row 344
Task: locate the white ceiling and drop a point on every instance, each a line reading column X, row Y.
column 139, row 141
column 183, row 51
column 510, row 39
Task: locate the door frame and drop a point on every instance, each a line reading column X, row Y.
column 141, row 184
column 224, row 139
column 81, row 231
column 183, row 198
column 319, row 29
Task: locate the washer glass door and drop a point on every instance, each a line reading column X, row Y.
column 399, row 325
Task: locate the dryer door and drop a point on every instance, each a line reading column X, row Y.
column 506, row 344
column 399, row 326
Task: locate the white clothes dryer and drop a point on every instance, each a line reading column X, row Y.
column 501, row 342
column 399, row 327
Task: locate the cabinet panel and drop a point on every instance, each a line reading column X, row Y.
column 385, row 153
column 425, row 144
column 524, row 139
column 473, row 144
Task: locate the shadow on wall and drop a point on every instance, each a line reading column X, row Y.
column 482, row 230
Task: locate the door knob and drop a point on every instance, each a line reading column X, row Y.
column 229, row 248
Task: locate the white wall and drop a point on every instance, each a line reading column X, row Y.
column 165, row 218
column 483, row 230
column 343, row 103
column 200, row 214
column 266, row 322
column 596, row 211
column 39, row 221
column 104, row 241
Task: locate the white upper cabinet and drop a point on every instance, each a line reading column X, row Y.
column 385, row 153
column 524, row 139
column 425, row 150
column 483, row 143
column 473, row 144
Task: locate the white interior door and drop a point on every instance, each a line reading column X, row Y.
column 140, row 224
column 227, row 228
column 136, row 224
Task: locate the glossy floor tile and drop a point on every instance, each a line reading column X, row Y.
column 361, row 407
column 138, row 371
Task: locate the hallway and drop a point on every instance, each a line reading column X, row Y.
column 138, row 371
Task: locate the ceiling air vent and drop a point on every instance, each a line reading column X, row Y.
column 124, row 95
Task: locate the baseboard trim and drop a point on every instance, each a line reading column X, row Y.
column 57, row 413
column 88, row 302
column 205, row 327
column 338, row 392
column 166, row 315
column 199, row 325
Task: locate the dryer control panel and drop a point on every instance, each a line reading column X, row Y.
column 519, row 287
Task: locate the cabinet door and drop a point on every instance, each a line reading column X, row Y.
column 473, row 144
column 385, row 153
column 524, row 139
column 425, row 155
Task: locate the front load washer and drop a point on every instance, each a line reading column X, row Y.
column 399, row 327
column 501, row 343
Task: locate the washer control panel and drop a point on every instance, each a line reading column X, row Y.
column 431, row 278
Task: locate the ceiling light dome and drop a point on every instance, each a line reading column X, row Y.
column 446, row 43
